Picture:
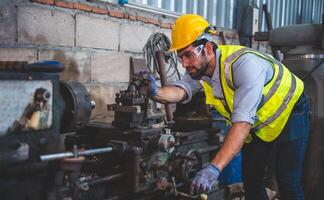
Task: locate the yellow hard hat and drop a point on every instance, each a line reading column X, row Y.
column 186, row 30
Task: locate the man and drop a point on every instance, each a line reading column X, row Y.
column 259, row 96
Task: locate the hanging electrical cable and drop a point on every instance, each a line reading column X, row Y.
column 160, row 42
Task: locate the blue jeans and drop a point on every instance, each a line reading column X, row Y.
column 290, row 151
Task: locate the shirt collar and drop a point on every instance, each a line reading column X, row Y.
column 215, row 75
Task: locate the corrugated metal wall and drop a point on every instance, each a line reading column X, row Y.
column 206, row 8
column 287, row 12
column 222, row 12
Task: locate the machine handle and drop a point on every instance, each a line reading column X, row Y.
column 75, row 153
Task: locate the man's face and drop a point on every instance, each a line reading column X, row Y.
column 193, row 60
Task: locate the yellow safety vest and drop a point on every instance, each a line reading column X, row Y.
column 279, row 95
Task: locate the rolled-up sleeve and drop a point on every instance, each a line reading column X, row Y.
column 249, row 76
column 189, row 85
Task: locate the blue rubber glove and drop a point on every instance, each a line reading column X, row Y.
column 204, row 179
column 150, row 83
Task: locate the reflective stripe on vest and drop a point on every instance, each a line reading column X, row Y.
column 284, row 87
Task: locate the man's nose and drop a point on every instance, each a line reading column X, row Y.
column 185, row 62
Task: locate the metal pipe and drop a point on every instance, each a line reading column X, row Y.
column 152, row 9
column 297, row 35
column 95, row 151
column 69, row 154
column 56, row 156
column 222, row 37
column 269, row 26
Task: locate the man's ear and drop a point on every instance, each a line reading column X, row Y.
column 209, row 48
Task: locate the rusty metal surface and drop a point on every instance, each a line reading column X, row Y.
column 307, row 63
column 23, row 94
column 133, row 109
column 16, row 97
column 314, row 89
column 103, row 161
column 298, row 35
column 149, row 158
column 76, row 105
column 196, row 113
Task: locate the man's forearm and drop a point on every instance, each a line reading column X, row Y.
column 170, row 94
column 233, row 143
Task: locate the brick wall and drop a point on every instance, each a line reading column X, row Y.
column 94, row 40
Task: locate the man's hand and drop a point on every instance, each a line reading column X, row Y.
column 204, row 179
column 149, row 84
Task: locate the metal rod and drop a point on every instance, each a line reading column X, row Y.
column 106, row 179
column 95, row 151
column 269, row 26
column 56, row 156
column 174, row 186
column 69, row 154
column 160, row 61
column 187, row 195
column 222, row 37
column 176, row 192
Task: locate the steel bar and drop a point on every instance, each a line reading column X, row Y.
column 162, row 73
column 69, row 154
column 105, row 179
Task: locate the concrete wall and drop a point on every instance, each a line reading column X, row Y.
column 93, row 39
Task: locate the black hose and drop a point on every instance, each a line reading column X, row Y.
column 160, row 42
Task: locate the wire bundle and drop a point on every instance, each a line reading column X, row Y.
column 160, row 42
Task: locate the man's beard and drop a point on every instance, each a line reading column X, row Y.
column 200, row 72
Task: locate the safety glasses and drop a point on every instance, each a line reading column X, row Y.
column 190, row 55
